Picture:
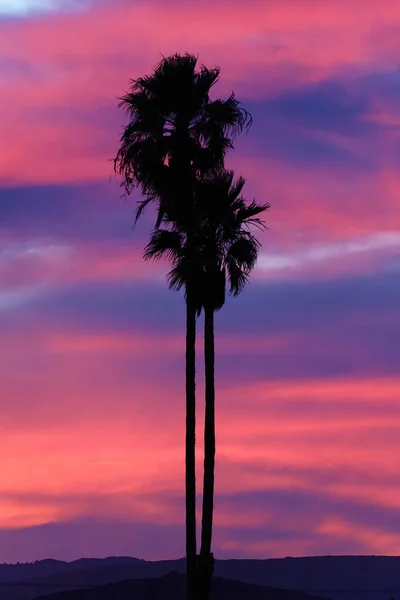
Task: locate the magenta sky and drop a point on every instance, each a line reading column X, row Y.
column 91, row 354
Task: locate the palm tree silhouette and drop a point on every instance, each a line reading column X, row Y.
column 230, row 254
column 176, row 133
column 223, row 250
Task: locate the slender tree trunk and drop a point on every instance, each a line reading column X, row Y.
column 191, row 557
column 206, row 559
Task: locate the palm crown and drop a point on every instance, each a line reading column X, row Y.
column 221, row 246
column 175, row 131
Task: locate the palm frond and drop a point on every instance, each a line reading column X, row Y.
column 247, row 214
column 141, row 207
column 236, row 188
column 230, row 115
column 217, row 145
column 237, row 277
column 177, row 278
column 241, row 259
column 164, row 243
column 244, row 251
column 206, row 79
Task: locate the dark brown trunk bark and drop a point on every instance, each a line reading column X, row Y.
column 206, row 559
column 190, row 477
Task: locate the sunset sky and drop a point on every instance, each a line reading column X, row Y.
column 92, row 341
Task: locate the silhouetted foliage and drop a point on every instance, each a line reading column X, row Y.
column 176, row 134
column 219, row 250
column 175, row 130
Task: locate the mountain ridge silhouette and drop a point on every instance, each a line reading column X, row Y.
column 335, row 577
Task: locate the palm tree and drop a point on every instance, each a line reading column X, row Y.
column 175, row 133
column 230, row 254
column 223, row 250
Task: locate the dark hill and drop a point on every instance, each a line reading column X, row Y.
column 172, row 587
column 49, row 567
column 336, row 577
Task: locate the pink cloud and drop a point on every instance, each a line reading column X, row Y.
column 69, row 82
column 324, row 204
column 40, row 263
column 267, row 448
column 274, row 49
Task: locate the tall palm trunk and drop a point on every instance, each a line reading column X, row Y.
column 190, row 476
column 206, row 559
